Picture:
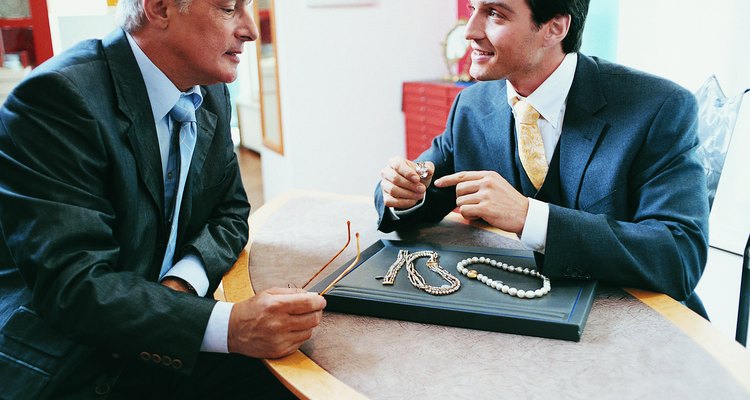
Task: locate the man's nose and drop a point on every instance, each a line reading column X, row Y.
column 473, row 29
column 248, row 30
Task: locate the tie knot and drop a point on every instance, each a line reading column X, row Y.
column 525, row 113
column 184, row 110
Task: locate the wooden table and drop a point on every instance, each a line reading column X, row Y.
column 636, row 344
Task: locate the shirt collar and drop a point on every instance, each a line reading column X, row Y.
column 162, row 93
column 550, row 97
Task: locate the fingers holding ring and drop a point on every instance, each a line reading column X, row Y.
column 422, row 169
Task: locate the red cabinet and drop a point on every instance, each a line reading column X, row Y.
column 426, row 106
column 29, row 36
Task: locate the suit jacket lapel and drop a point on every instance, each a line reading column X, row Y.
column 492, row 125
column 206, row 123
column 581, row 129
column 133, row 101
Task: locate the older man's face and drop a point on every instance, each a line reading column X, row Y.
column 208, row 39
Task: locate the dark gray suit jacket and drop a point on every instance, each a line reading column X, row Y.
column 81, row 219
column 634, row 206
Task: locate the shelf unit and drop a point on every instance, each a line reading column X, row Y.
column 426, row 105
column 15, row 32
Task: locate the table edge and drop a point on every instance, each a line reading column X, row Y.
column 300, row 374
column 727, row 352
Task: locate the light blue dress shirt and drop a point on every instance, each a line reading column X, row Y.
column 163, row 95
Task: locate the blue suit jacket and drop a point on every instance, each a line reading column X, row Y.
column 633, row 209
column 82, row 232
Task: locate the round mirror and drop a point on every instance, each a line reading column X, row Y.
column 455, row 48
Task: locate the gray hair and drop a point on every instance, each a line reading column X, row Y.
column 131, row 17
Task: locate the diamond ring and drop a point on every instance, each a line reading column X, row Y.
column 422, row 170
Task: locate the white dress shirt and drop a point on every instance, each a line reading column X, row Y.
column 549, row 99
column 163, row 95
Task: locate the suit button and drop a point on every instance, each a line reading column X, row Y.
column 156, row 358
column 177, row 363
column 102, row 389
column 166, row 360
column 145, row 356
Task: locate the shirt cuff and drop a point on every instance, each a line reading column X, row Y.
column 190, row 269
column 217, row 330
column 397, row 214
column 534, row 234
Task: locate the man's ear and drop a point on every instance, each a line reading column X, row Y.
column 156, row 12
column 556, row 29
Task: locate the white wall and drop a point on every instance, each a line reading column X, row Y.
column 687, row 41
column 74, row 20
column 341, row 70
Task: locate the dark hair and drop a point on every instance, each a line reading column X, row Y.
column 544, row 10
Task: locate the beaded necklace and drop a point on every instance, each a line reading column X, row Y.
column 499, row 285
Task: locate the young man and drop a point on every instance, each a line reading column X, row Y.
column 121, row 207
column 590, row 163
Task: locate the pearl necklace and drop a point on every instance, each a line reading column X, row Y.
column 404, row 257
column 499, row 285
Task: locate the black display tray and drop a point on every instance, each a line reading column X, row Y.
column 561, row 314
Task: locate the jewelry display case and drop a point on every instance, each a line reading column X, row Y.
column 560, row 312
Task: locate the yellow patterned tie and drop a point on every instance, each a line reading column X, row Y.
column 530, row 145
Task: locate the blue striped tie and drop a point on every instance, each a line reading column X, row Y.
column 173, row 174
column 178, row 165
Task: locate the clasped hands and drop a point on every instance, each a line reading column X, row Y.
column 479, row 194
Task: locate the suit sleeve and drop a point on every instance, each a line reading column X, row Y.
column 438, row 202
column 662, row 244
column 58, row 223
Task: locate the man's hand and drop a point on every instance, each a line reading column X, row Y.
column 401, row 185
column 178, row 284
column 487, row 195
column 274, row 323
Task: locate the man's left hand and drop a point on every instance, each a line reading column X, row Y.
column 178, row 284
column 487, row 195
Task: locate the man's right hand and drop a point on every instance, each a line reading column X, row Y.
column 401, row 185
column 274, row 323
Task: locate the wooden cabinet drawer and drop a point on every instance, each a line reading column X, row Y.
column 416, row 124
column 437, row 114
column 426, row 106
column 427, row 89
column 418, row 137
column 430, row 101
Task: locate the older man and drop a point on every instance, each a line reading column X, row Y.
column 121, row 207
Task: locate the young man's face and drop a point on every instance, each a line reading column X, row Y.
column 506, row 43
column 208, row 39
